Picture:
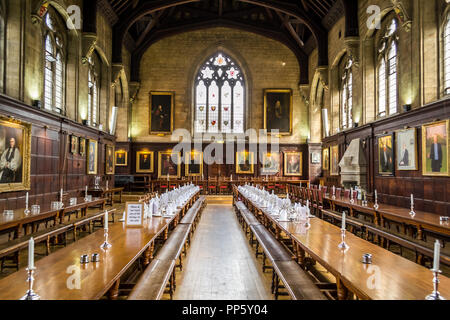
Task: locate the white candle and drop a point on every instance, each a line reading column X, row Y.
column 61, row 195
column 106, row 220
column 31, row 253
column 343, row 220
column 351, row 193
column 107, row 183
column 412, row 199
column 307, row 203
column 85, row 192
column 334, row 190
column 437, row 249
column 376, row 197
column 26, row 201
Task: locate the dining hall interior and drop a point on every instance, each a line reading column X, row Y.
column 224, row 150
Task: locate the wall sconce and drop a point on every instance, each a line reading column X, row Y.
column 37, row 104
column 84, row 122
column 406, row 107
column 356, row 124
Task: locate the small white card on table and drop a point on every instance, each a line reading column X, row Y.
column 134, row 214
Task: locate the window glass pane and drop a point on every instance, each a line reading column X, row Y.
column 59, row 84
column 344, row 107
column 382, row 89
column 350, row 100
column 200, row 112
column 213, row 111
column 392, row 84
column 238, row 111
column 226, row 107
column 447, row 56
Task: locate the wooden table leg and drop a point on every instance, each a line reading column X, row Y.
column 148, row 255
column 113, row 293
column 342, row 291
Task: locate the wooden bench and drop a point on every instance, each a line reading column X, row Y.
column 246, row 219
column 152, row 283
column 193, row 216
column 175, row 245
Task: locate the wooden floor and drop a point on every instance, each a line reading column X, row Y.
column 220, row 264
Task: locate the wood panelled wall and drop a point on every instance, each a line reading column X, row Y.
column 52, row 165
column 431, row 193
column 208, row 170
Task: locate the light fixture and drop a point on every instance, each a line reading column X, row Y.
column 37, row 104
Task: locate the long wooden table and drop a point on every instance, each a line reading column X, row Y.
column 107, row 193
column 55, row 273
column 19, row 220
column 389, row 277
column 421, row 221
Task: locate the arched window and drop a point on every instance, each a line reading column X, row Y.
column 93, row 85
column 446, row 55
column 54, row 63
column 219, row 96
column 347, row 96
column 387, row 71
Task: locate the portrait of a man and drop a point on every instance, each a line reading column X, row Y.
column 15, row 155
column 244, row 162
column 144, row 162
column 271, row 163
column 292, row 163
column 92, row 156
column 11, row 163
column 121, row 158
column 109, row 159
column 161, row 112
column 169, row 164
column 74, row 144
column 334, row 163
column 278, row 110
column 82, row 146
column 326, row 159
column 386, row 155
column 435, row 148
column 406, row 149
column 194, row 163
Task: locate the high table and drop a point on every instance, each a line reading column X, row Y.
column 421, row 220
column 389, row 277
column 20, row 220
column 55, row 277
column 107, row 193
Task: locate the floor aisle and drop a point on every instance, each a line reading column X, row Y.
column 220, row 264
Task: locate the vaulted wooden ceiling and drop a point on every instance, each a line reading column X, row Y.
column 302, row 25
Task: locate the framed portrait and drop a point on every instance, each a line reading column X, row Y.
column 278, row 111
column 315, row 157
column 270, row 163
column 334, row 163
column 92, row 157
column 15, row 155
column 386, row 155
column 169, row 164
column 145, row 162
column 73, row 144
column 121, row 158
column 293, row 163
column 161, row 112
column 406, row 149
column 435, row 149
column 109, row 159
column 193, row 163
column 326, row 159
column 245, row 161
column 82, row 146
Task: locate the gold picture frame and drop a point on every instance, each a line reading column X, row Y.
column 15, row 133
column 326, row 159
column 271, row 163
column 161, row 103
column 386, row 156
column 92, row 157
column 249, row 166
column 121, row 158
column 73, row 144
column 166, row 165
column 277, row 104
column 334, row 160
column 293, row 163
column 406, row 150
column 82, row 146
column 109, row 159
column 145, row 161
column 440, row 131
column 197, row 157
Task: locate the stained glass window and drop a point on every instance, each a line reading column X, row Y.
column 219, row 96
column 54, row 65
column 93, row 101
column 446, row 38
column 387, row 72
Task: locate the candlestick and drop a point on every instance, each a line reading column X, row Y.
column 86, row 194
column 334, row 192
column 343, row 246
column 107, row 185
column 106, row 244
column 412, row 212
column 30, row 295
column 376, row 201
column 26, row 211
column 435, row 295
column 351, row 196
